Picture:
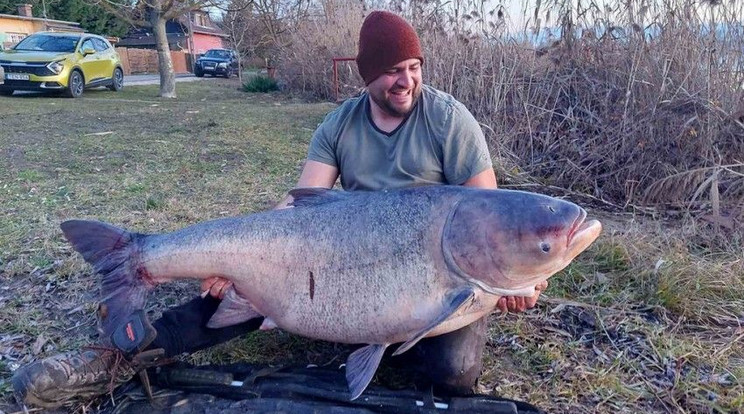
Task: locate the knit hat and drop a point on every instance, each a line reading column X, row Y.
column 385, row 40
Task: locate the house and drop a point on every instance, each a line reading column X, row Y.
column 194, row 33
column 13, row 28
column 205, row 34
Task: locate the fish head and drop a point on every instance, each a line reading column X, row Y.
column 509, row 241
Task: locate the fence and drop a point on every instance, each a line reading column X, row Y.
column 146, row 60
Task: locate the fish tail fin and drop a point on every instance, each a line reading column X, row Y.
column 110, row 250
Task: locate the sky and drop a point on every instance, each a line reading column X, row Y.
column 521, row 14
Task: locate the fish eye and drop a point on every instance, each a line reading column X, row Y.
column 545, row 247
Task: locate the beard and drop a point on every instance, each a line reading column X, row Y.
column 394, row 110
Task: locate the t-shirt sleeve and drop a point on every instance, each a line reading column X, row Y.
column 465, row 150
column 323, row 144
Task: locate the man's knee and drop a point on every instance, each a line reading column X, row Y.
column 453, row 361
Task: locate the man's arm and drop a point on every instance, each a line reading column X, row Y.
column 485, row 179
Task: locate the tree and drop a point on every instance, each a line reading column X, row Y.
column 260, row 28
column 154, row 14
column 91, row 17
column 278, row 18
column 241, row 26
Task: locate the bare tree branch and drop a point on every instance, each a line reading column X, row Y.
column 155, row 14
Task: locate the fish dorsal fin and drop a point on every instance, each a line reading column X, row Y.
column 361, row 367
column 233, row 310
column 312, row 196
column 455, row 301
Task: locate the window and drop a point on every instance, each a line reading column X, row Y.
column 48, row 43
column 217, row 53
column 87, row 44
column 200, row 19
column 100, row 45
column 14, row 38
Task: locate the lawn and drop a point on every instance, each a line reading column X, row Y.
column 648, row 320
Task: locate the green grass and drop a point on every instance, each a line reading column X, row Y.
column 644, row 321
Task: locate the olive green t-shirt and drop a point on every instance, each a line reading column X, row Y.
column 439, row 143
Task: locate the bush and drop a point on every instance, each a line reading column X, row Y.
column 260, row 84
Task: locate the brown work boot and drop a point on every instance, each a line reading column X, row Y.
column 57, row 380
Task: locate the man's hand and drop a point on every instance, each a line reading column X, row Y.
column 215, row 286
column 521, row 303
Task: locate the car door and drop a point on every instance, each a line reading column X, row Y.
column 95, row 65
column 234, row 61
column 107, row 58
column 89, row 63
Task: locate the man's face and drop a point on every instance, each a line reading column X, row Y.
column 398, row 88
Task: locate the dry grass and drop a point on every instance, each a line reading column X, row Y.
column 648, row 320
column 636, row 103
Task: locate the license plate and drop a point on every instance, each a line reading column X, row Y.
column 17, row 76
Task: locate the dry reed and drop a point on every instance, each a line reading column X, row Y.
column 635, row 103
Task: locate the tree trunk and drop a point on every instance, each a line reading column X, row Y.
column 167, row 74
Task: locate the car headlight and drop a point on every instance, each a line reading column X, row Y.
column 222, row 64
column 56, row 67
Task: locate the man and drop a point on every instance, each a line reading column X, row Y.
column 399, row 133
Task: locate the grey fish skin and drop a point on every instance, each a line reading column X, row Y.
column 363, row 267
column 339, row 271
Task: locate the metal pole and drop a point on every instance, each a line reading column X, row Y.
column 335, row 77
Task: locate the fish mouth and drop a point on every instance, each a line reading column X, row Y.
column 578, row 221
column 582, row 233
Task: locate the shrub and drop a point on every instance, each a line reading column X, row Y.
column 260, row 84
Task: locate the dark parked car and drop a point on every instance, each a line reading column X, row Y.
column 215, row 62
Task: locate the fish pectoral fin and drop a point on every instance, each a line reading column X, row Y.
column 233, row 310
column 361, row 367
column 267, row 324
column 455, row 301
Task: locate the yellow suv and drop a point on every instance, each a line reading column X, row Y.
column 59, row 61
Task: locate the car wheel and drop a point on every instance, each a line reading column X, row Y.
column 228, row 73
column 75, row 85
column 6, row 92
column 117, row 81
column 198, row 73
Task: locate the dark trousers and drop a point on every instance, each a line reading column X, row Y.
column 451, row 362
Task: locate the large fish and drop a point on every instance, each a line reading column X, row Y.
column 376, row 268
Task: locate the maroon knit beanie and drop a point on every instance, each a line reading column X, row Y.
column 385, row 40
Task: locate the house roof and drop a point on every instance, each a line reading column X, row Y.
column 195, row 28
column 208, row 30
column 39, row 19
column 64, row 27
column 145, row 40
column 176, row 31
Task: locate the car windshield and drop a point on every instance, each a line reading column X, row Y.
column 48, row 43
column 220, row 54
